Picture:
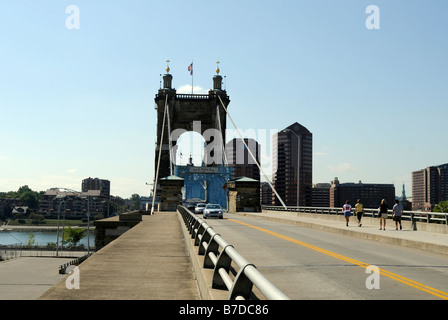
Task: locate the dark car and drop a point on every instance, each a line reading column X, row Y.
column 191, row 205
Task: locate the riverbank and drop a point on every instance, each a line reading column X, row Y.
column 36, row 228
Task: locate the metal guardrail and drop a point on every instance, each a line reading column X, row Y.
column 39, row 249
column 414, row 216
column 77, row 261
column 219, row 255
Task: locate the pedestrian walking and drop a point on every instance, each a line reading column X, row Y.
column 383, row 210
column 397, row 212
column 359, row 209
column 347, row 210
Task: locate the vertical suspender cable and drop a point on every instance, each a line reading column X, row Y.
column 224, row 156
column 250, row 152
column 169, row 140
column 154, row 190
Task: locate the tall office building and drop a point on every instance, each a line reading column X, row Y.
column 265, row 194
column 321, row 195
column 429, row 187
column 292, row 165
column 239, row 158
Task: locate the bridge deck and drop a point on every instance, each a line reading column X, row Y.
column 149, row 262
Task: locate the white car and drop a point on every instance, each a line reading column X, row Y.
column 199, row 208
column 213, row 210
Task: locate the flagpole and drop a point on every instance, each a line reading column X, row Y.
column 192, row 75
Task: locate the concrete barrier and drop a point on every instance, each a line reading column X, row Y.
column 109, row 229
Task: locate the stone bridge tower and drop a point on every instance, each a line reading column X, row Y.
column 190, row 112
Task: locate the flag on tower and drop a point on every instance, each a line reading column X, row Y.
column 190, row 68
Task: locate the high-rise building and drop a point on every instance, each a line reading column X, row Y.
column 370, row 194
column 96, row 184
column 239, row 158
column 429, row 187
column 265, row 193
column 321, row 195
column 292, row 165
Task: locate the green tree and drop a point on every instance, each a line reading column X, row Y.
column 134, row 202
column 30, row 239
column 73, row 235
column 441, row 207
column 30, row 198
column 23, row 189
column 36, row 218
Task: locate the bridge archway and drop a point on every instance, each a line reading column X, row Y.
column 189, row 149
column 181, row 113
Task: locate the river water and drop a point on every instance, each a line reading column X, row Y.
column 41, row 238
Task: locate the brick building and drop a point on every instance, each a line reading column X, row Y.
column 370, row 194
column 429, row 187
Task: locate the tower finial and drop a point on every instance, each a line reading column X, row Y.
column 168, row 66
column 217, row 67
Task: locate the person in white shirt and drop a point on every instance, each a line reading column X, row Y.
column 347, row 210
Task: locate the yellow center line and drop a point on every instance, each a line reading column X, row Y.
column 386, row 273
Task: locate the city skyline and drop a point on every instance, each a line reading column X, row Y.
column 80, row 102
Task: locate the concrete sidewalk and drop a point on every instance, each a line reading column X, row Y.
column 148, row 262
column 425, row 238
column 26, row 278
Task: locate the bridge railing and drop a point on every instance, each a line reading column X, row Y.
column 428, row 217
column 192, row 96
column 219, row 256
column 37, row 249
column 77, row 261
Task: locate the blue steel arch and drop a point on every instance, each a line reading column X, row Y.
column 213, row 178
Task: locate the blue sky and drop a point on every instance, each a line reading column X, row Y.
column 80, row 103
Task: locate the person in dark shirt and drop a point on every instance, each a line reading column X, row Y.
column 383, row 210
column 397, row 212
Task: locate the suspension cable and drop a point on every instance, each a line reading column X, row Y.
column 169, row 140
column 224, row 156
column 154, row 190
column 250, row 152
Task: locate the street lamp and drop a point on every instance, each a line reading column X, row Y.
column 88, row 226
column 80, row 194
column 57, row 236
